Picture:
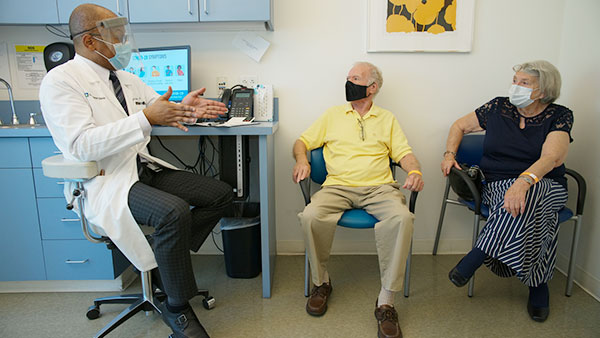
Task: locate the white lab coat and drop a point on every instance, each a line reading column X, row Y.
column 88, row 123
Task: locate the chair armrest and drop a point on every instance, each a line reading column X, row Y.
column 472, row 188
column 305, row 187
column 413, row 201
column 58, row 167
column 581, row 189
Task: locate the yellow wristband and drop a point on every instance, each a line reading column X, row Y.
column 415, row 172
column 532, row 175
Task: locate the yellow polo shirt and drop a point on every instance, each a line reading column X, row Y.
column 357, row 150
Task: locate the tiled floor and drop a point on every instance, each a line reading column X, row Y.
column 435, row 307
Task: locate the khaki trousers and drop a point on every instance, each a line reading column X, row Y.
column 393, row 232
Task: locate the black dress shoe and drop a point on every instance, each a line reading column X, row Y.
column 539, row 314
column 184, row 324
column 456, row 278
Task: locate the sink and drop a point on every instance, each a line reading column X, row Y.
column 22, row 126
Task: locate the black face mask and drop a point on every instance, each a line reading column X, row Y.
column 355, row 92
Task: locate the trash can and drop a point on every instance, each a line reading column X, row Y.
column 241, row 243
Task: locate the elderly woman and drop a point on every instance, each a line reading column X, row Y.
column 526, row 142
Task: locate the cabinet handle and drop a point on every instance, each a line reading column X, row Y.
column 68, row 261
column 118, row 9
column 60, row 182
column 57, row 152
column 205, row 7
column 69, row 219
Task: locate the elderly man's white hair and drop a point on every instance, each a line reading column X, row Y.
column 374, row 74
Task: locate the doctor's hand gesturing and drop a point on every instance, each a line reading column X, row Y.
column 205, row 109
column 167, row 113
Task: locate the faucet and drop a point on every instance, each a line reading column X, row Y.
column 15, row 120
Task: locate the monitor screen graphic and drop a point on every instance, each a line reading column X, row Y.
column 161, row 67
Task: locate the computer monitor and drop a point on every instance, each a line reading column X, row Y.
column 161, row 67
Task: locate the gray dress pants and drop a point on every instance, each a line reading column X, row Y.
column 183, row 208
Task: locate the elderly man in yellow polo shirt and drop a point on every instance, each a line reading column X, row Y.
column 358, row 138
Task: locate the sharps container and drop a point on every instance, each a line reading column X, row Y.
column 241, row 243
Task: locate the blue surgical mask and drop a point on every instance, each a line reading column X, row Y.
column 122, row 54
column 520, row 96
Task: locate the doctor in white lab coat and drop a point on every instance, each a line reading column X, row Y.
column 88, row 123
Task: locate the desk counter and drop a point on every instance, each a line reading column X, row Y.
column 263, row 131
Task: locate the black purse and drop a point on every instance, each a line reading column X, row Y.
column 458, row 181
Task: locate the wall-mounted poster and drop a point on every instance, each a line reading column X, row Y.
column 420, row 25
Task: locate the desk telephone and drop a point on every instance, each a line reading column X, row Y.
column 250, row 103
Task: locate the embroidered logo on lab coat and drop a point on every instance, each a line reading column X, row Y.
column 86, row 94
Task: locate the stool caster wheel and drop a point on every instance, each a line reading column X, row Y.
column 93, row 312
column 209, row 302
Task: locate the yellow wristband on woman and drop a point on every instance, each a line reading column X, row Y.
column 415, row 172
column 532, row 175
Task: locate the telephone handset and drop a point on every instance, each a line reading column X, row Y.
column 239, row 101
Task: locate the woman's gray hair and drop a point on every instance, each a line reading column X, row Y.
column 374, row 74
column 548, row 78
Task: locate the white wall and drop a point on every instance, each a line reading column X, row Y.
column 313, row 46
column 579, row 52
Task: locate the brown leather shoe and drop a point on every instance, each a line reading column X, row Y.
column 317, row 301
column 387, row 322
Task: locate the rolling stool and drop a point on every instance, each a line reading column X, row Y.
column 79, row 172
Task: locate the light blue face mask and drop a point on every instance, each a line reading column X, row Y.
column 122, row 54
column 520, row 96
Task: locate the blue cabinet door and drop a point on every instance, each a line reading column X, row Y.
column 56, row 222
column 235, row 10
column 148, row 11
column 21, row 256
column 47, row 186
column 77, row 260
column 41, row 147
column 14, row 153
column 65, row 7
column 28, row 12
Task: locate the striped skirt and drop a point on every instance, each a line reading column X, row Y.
column 522, row 246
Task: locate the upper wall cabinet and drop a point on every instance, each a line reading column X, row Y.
column 65, row 7
column 148, row 11
column 141, row 11
column 28, row 12
column 235, row 10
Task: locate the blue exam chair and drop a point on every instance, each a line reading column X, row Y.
column 353, row 218
column 470, row 152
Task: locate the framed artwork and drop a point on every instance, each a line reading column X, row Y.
column 420, row 25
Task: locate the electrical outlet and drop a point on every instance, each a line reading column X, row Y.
column 248, row 80
column 221, row 84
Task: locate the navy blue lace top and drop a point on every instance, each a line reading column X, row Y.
column 509, row 150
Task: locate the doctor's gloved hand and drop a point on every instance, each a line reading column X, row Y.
column 206, row 109
column 166, row 113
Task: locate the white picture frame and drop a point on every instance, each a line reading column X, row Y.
column 379, row 40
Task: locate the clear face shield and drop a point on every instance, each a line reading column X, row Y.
column 117, row 35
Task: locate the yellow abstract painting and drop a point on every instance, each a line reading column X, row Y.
column 430, row 16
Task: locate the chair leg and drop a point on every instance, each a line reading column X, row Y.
column 306, row 275
column 140, row 305
column 120, row 299
column 572, row 264
column 475, row 233
column 407, row 271
column 441, row 221
column 146, row 301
